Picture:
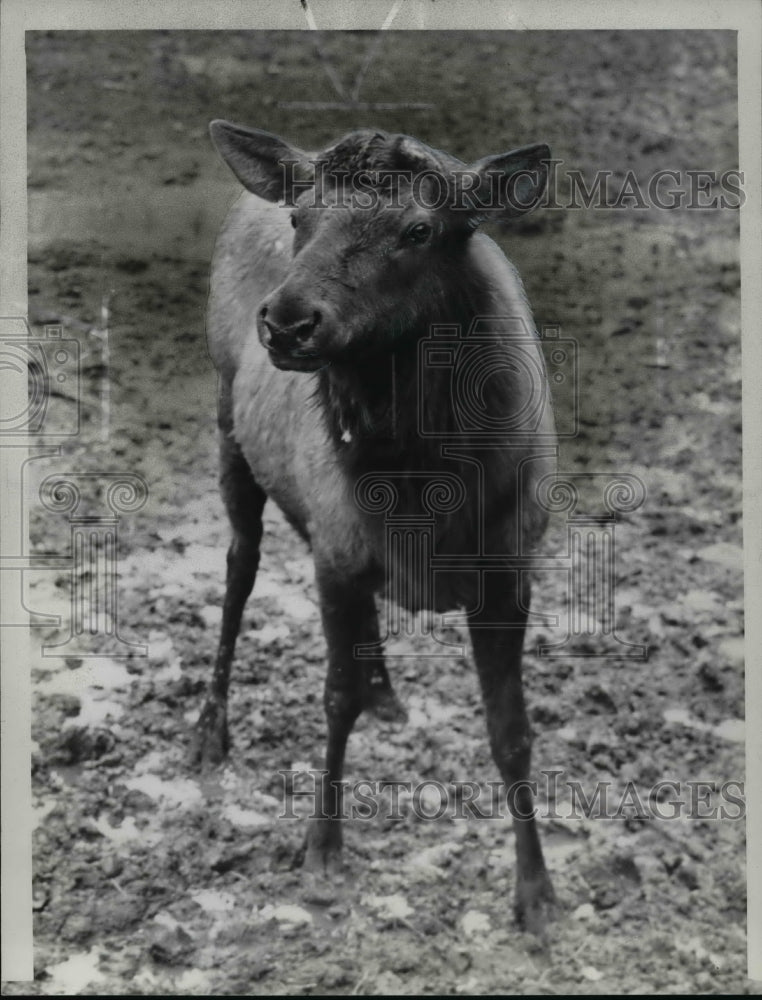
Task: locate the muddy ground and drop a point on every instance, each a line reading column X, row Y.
column 149, row 880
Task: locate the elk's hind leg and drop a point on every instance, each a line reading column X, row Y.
column 379, row 697
column 244, row 501
column 497, row 651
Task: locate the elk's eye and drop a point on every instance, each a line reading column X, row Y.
column 293, row 220
column 418, row 233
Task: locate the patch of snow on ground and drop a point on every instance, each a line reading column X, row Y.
column 70, row 978
column 177, row 791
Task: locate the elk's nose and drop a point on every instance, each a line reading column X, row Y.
column 287, row 336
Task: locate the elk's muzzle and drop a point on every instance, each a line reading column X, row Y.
column 289, row 331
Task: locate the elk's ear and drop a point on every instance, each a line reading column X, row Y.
column 509, row 184
column 263, row 163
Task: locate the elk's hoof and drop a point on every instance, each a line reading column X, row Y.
column 210, row 743
column 535, row 904
column 323, row 847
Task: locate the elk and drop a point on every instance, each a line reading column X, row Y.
column 319, row 303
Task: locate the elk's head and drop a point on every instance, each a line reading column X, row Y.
column 382, row 225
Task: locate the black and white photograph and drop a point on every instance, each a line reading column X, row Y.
column 377, row 485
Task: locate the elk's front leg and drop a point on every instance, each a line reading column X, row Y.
column 497, row 650
column 244, row 501
column 349, row 619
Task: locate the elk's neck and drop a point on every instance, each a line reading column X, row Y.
column 390, row 412
column 380, row 409
column 369, row 406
